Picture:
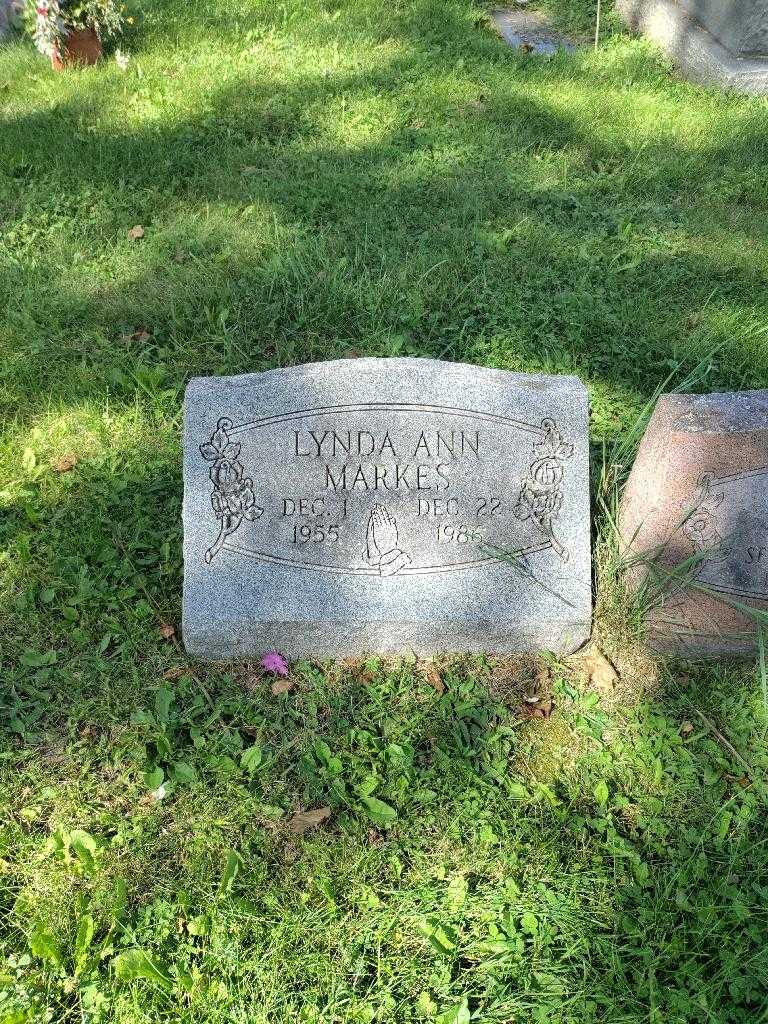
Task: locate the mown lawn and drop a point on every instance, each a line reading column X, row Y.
column 317, row 178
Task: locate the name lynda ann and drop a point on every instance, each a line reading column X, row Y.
column 419, row 462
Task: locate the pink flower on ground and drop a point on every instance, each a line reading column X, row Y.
column 274, row 662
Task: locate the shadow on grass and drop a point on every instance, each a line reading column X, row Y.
column 284, row 249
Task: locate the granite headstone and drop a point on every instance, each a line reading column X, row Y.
column 694, row 522
column 10, row 11
column 385, row 505
column 720, row 42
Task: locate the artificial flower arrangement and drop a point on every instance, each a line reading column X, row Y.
column 59, row 25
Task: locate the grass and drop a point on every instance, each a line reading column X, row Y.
column 317, row 178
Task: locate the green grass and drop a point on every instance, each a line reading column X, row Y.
column 318, row 178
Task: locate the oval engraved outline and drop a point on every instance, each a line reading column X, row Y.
column 400, row 407
column 733, row 591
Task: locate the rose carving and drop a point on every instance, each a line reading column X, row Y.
column 541, row 494
column 700, row 525
column 232, row 498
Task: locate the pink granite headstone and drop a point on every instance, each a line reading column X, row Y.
column 694, row 523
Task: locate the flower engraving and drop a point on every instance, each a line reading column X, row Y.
column 541, row 492
column 700, row 524
column 232, row 497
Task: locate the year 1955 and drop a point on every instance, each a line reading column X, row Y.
column 315, row 534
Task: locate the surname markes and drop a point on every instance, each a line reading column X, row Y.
column 364, row 460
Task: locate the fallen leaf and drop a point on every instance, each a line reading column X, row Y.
column 253, row 682
column 282, row 686
column 541, row 708
column 479, row 104
column 136, row 232
column 686, row 729
column 740, row 780
column 543, row 678
column 290, row 853
column 538, row 690
column 174, row 673
column 274, row 662
column 64, row 463
column 305, row 820
column 167, row 631
column 597, row 670
column 433, row 677
column 352, row 665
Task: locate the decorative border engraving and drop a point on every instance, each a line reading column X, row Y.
column 540, row 498
column 541, row 493
column 707, row 529
column 232, row 498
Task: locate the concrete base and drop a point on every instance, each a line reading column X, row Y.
column 696, row 53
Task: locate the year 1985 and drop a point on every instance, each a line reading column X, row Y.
column 449, row 534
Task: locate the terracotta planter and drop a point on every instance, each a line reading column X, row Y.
column 82, row 46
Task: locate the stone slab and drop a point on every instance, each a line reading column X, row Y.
column 10, row 13
column 699, row 54
column 694, row 520
column 530, row 31
column 741, row 26
column 385, row 505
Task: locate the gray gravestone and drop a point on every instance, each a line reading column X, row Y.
column 723, row 42
column 385, row 505
column 7, row 17
column 741, row 26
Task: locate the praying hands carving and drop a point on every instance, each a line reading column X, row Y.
column 381, row 550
